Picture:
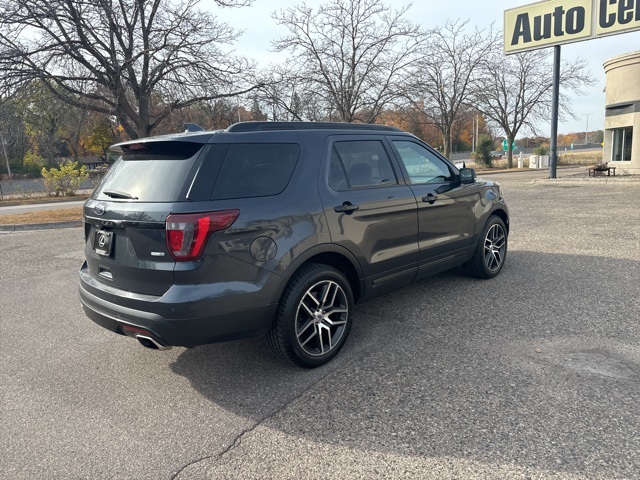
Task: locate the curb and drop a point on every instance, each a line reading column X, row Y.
column 40, row 226
column 481, row 171
column 585, row 181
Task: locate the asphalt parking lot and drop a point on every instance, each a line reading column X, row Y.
column 534, row 374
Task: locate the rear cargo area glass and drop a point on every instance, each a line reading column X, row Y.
column 151, row 175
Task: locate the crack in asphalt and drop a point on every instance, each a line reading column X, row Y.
column 232, row 446
column 237, row 441
column 364, row 351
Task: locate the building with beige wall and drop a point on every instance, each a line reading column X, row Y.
column 622, row 113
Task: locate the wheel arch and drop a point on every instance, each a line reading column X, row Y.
column 502, row 214
column 333, row 255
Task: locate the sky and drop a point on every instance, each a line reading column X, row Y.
column 260, row 30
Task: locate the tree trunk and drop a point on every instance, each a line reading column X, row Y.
column 510, row 139
column 446, row 137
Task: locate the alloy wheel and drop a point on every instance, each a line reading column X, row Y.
column 321, row 318
column 495, row 245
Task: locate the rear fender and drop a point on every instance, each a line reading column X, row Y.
column 354, row 271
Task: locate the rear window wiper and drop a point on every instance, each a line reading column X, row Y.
column 117, row 194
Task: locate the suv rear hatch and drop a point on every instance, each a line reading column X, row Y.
column 126, row 217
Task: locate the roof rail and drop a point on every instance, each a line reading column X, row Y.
column 261, row 126
column 192, row 127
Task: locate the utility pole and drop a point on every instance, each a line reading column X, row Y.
column 586, row 131
column 476, row 132
column 6, row 157
column 553, row 164
column 473, row 136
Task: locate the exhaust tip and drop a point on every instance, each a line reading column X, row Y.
column 149, row 342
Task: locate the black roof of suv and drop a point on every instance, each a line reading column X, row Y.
column 277, row 228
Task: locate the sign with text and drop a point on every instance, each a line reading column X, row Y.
column 556, row 22
column 617, row 16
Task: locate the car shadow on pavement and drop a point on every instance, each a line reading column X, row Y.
column 244, row 376
column 538, row 368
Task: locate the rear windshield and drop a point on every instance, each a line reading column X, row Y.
column 155, row 174
column 256, row 170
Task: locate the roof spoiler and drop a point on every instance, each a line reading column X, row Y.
column 192, row 127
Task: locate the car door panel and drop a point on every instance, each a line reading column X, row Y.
column 370, row 213
column 445, row 206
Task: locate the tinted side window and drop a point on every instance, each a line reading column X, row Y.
column 360, row 163
column 423, row 166
column 255, row 170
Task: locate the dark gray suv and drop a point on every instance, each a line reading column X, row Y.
column 278, row 229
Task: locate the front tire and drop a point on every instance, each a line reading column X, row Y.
column 314, row 316
column 491, row 251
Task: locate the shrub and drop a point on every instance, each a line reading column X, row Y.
column 64, row 180
column 32, row 165
column 541, row 150
column 483, row 150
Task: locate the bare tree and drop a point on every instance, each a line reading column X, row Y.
column 55, row 128
column 278, row 96
column 287, row 95
column 349, row 57
column 136, row 59
column 13, row 134
column 515, row 90
column 445, row 75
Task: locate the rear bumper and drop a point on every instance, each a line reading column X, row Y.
column 168, row 322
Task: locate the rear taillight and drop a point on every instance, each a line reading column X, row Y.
column 188, row 234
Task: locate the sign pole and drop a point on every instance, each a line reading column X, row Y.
column 553, row 164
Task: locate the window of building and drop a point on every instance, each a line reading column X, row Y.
column 621, row 144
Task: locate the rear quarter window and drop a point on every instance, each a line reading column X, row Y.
column 256, row 170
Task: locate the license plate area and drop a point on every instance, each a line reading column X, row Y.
column 103, row 243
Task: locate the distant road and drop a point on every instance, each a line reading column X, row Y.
column 34, row 185
column 15, row 209
column 525, row 151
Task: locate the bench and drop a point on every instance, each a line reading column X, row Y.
column 593, row 171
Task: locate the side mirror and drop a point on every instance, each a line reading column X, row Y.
column 467, row 175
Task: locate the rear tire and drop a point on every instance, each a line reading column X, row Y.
column 491, row 251
column 314, row 316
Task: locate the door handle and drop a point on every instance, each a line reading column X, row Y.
column 346, row 207
column 430, row 199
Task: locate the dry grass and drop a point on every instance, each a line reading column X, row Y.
column 580, row 158
column 43, row 216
